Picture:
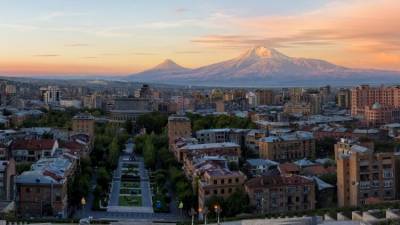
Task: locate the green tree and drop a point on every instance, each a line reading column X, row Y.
column 128, row 126
column 152, row 122
column 237, row 203
column 103, row 178
column 114, row 150
column 149, row 153
column 325, row 147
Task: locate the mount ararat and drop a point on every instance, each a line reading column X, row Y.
column 261, row 66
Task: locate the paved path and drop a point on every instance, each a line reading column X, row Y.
column 114, row 197
column 147, row 205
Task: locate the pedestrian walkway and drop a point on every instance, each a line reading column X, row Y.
column 146, row 201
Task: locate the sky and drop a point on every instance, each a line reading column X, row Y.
column 118, row 37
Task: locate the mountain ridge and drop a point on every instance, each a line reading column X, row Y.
column 258, row 65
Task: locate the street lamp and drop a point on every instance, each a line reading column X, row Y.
column 204, row 212
column 192, row 213
column 217, row 210
column 83, row 203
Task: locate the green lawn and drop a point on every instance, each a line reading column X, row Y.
column 130, row 184
column 129, row 200
column 130, row 191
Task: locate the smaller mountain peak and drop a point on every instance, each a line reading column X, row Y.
column 168, row 65
column 168, row 61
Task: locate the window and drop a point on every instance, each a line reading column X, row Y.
column 229, row 180
column 222, row 191
column 215, row 181
column 222, row 181
column 28, row 190
column 215, row 192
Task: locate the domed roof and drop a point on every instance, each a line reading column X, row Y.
column 376, row 105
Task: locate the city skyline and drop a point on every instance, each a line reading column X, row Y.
column 99, row 37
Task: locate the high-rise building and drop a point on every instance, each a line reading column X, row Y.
column 344, row 98
column 364, row 176
column 364, row 96
column 51, row 95
column 264, row 97
column 93, row 101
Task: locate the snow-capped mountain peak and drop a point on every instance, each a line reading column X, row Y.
column 258, row 65
column 262, row 52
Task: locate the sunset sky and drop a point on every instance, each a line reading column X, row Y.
column 114, row 37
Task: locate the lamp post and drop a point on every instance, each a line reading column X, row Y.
column 192, row 213
column 83, row 203
column 217, row 210
column 205, row 212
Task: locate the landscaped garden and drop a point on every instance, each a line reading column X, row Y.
column 130, row 200
column 130, row 190
column 130, row 184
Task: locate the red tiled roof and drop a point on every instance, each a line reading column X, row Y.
column 280, row 180
column 286, row 168
column 315, row 170
column 71, row 145
column 331, row 169
column 33, row 144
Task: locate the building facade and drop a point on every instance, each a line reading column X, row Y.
column 178, row 127
column 364, row 176
column 281, row 193
column 287, row 147
column 83, row 124
column 51, row 95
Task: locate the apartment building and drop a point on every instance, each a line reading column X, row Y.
column 377, row 114
column 178, row 127
column 364, row 176
column 31, row 150
column 218, row 181
column 264, row 97
column 228, row 150
column 7, row 176
column 213, row 135
column 237, row 136
column 287, row 147
column 343, row 98
column 83, row 123
column 281, row 193
column 51, row 95
column 42, row 191
column 364, row 97
column 301, row 108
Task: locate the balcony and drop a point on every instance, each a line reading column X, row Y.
column 375, row 184
column 364, row 185
column 388, row 173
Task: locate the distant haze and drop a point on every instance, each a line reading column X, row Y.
column 112, row 38
column 263, row 66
